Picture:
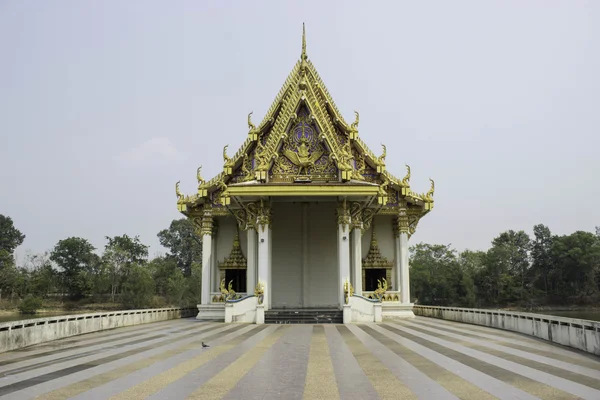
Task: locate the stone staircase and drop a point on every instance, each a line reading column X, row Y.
column 304, row 316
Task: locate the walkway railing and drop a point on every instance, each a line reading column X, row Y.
column 17, row 334
column 577, row 333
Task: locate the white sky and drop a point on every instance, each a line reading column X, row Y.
column 105, row 105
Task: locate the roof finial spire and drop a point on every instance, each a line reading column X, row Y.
column 304, row 57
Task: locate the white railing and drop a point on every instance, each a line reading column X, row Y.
column 362, row 309
column 17, row 334
column 241, row 310
column 219, row 298
column 577, row 333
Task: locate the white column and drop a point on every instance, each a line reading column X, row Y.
column 206, row 231
column 251, row 256
column 357, row 253
column 270, row 266
column 404, row 278
column 216, row 281
column 397, row 268
column 343, row 259
column 264, row 256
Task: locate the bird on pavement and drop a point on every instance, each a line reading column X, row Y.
column 205, row 345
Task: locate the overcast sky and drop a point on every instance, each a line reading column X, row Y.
column 104, row 105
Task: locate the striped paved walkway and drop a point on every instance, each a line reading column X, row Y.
column 418, row 359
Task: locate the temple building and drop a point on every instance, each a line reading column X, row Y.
column 304, row 215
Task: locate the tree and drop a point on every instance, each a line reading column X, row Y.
column 162, row 268
column 43, row 276
column 120, row 253
column 75, row 257
column 514, row 247
column 541, row 253
column 435, row 274
column 577, row 260
column 10, row 237
column 183, row 244
column 138, row 289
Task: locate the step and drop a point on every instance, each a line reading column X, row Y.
column 304, row 316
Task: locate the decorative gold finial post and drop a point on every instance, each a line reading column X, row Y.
column 199, row 178
column 250, row 124
column 303, row 56
column 225, row 157
column 177, row 192
column 406, row 179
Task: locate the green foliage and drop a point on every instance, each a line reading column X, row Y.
column 75, row 257
column 10, row 237
column 514, row 271
column 30, row 304
column 183, row 244
column 120, row 254
column 577, row 262
column 138, row 289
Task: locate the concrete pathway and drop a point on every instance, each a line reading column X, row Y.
column 417, row 359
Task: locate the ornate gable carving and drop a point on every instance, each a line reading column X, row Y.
column 303, row 156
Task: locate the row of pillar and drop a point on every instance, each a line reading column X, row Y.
column 260, row 261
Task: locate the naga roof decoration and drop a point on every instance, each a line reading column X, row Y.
column 328, row 149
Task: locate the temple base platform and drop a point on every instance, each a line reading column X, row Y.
column 395, row 310
column 211, row 312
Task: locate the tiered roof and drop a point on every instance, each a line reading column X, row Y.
column 358, row 166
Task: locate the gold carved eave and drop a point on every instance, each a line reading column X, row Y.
column 302, row 190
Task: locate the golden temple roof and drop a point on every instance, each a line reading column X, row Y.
column 304, row 97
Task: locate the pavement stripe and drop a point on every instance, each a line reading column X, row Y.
column 490, row 384
column 96, row 348
column 320, row 378
column 586, row 376
column 156, row 383
column 538, row 383
column 351, row 380
column 218, row 386
column 456, row 385
column 382, row 379
column 89, row 339
column 419, row 383
column 33, row 378
column 103, row 378
column 185, row 386
column 538, row 347
column 281, row 372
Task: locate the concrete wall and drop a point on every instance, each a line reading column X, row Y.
column 577, row 333
column 18, row 334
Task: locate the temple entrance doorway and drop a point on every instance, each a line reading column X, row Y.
column 238, row 279
column 372, row 275
column 304, row 255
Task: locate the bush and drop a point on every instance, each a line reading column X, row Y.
column 30, row 304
